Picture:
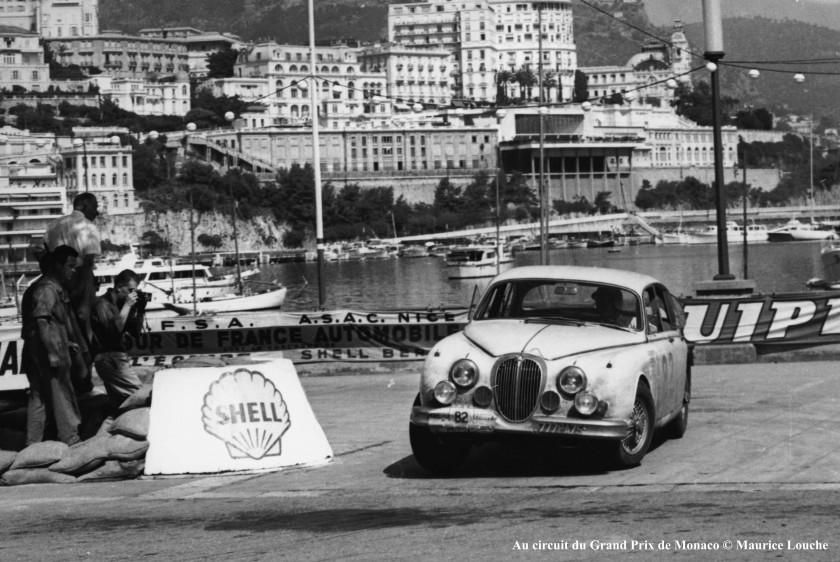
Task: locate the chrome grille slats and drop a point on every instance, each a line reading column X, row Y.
column 517, row 386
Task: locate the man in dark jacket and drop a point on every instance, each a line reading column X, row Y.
column 51, row 337
column 118, row 312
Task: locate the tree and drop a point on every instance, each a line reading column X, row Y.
column 696, row 104
column 550, row 80
column 526, row 79
column 581, row 88
column 447, row 196
column 220, row 63
column 503, row 78
column 602, row 204
column 210, row 241
column 153, row 242
column 645, row 199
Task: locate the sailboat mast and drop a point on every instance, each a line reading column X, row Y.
column 316, row 158
column 235, row 239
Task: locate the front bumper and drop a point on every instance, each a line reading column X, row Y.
column 471, row 420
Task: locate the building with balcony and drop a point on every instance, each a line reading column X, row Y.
column 646, row 72
column 169, row 96
column 199, row 44
column 279, row 77
column 30, row 198
column 411, row 154
column 123, row 56
column 491, row 36
column 53, row 18
column 413, row 75
column 23, row 61
column 100, row 166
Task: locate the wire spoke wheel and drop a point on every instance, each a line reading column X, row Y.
column 638, row 432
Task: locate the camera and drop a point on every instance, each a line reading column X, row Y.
column 143, row 299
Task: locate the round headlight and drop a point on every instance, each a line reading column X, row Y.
column 445, row 392
column 571, row 380
column 464, row 373
column 586, row 403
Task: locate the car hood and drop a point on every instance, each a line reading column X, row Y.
column 550, row 341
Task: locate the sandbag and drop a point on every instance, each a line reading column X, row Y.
column 140, row 399
column 123, row 448
column 134, row 423
column 6, row 460
column 115, row 470
column 105, row 428
column 35, row 476
column 84, row 457
column 39, row 455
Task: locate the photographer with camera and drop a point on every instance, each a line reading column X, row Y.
column 117, row 313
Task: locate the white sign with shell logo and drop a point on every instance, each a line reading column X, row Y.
column 223, row 419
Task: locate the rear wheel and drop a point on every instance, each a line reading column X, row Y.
column 440, row 454
column 630, row 450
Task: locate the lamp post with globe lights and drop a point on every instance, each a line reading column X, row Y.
column 316, row 165
column 500, row 175
column 77, row 142
column 541, row 111
column 713, row 27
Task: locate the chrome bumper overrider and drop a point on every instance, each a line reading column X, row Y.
column 460, row 419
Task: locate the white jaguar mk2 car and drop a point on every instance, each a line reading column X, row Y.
column 571, row 353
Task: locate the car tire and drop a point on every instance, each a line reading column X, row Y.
column 677, row 427
column 439, row 454
column 630, row 450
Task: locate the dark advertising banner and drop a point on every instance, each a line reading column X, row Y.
column 343, row 335
column 790, row 319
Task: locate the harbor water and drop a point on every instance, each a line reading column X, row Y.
column 402, row 283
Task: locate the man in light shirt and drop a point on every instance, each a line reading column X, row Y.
column 78, row 231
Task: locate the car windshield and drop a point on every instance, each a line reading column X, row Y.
column 548, row 300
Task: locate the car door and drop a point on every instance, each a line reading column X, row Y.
column 664, row 339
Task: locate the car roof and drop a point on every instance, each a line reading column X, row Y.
column 619, row 277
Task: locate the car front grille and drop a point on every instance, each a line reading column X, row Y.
column 517, row 387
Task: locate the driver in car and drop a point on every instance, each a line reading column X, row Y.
column 609, row 304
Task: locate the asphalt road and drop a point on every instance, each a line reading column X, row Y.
column 759, row 466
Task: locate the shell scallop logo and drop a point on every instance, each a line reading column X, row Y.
column 247, row 412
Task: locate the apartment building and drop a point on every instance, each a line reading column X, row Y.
column 279, row 77
column 646, row 72
column 169, row 96
column 22, row 61
column 199, row 44
column 123, row 56
column 413, row 75
column 52, row 18
column 487, row 37
column 102, row 166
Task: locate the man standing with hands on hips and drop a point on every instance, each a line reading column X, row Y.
column 78, row 231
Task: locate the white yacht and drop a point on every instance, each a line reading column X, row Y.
column 473, row 262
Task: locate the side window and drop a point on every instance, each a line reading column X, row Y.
column 651, row 313
column 666, row 319
column 676, row 310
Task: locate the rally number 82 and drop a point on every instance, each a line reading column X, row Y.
column 461, row 417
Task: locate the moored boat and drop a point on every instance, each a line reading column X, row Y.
column 473, row 262
column 795, row 230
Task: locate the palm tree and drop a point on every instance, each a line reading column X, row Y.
column 526, row 79
column 503, row 77
column 550, row 80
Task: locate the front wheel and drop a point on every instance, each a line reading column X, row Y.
column 439, row 454
column 630, row 450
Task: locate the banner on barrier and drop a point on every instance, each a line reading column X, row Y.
column 792, row 319
column 222, row 419
column 343, row 335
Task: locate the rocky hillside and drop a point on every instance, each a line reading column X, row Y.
column 259, row 233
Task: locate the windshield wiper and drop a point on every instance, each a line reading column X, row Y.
column 611, row 325
column 554, row 320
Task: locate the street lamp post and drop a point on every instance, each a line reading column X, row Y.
column 316, row 163
column 799, row 79
column 77, row 142
column 714, row 53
